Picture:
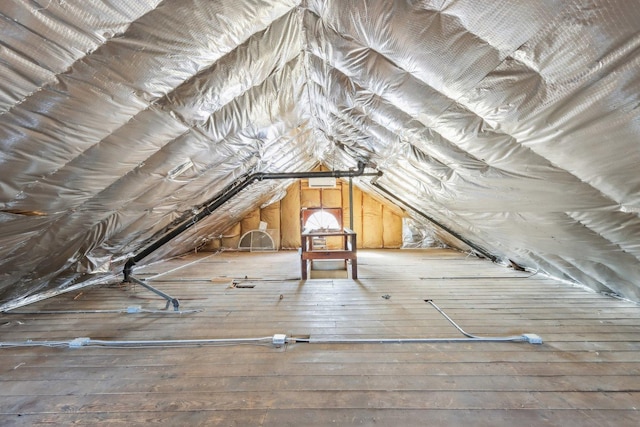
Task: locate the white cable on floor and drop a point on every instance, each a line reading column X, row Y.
column 88, row 342
column 129, row 310
column 276, row 340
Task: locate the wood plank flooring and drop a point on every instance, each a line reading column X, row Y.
column 587, row 372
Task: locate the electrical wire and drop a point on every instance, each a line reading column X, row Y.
column 128, row 310
column 408, row 340
column 88, row 342
column 471, row 336
column 276, row 340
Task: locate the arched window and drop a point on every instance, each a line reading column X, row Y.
column 322, row 220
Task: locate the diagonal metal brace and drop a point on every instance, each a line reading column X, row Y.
column 169, row 298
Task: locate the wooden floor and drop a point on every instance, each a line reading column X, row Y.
column 587, row 372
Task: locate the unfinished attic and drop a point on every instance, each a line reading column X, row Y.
column 320, row 212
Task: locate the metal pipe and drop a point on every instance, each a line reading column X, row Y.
column 448, row 318
column 525, row 337
column 406, row 340
column 128, row 310
column 351, row 203
column 169, row 298
column 88, row 342
column 530, row 338
column 225, row 195
column 277, row 340
column 432, row 220
column 228, row 193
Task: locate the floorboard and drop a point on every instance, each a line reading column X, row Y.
column 586, row 373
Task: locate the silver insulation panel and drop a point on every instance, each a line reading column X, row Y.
column 514, row 123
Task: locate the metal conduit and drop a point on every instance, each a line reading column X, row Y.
column 277, row 340
column 432, row 220
column 88, row 342
column 227, row 194
column 530, row 338
column 134, row 309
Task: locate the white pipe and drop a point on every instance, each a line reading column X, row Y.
column 88, row 342
column 277, row 340
column 521, row 338
column 129, row 310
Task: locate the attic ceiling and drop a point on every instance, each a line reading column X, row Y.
column 513, row 123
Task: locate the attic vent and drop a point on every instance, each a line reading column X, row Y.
column 322, row 182
column 255, row 241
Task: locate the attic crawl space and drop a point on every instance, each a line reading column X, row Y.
column 508, row 129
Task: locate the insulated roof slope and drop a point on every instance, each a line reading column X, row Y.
column 512, row 123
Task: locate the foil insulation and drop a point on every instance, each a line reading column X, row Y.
column 512, row 123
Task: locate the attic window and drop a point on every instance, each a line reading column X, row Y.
column 322, row 220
